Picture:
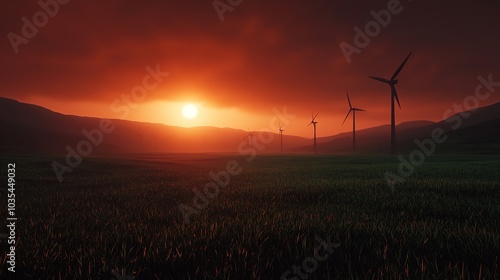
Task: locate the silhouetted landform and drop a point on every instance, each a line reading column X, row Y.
column 31, row 129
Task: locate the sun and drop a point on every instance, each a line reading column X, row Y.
column 189, row 111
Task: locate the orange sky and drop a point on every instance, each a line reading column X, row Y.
column 262, row 56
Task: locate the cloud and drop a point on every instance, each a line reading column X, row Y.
column 263, row 55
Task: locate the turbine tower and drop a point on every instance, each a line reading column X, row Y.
column 314, row 124
column 281, row 135
column 394, row 95
column 353, row 110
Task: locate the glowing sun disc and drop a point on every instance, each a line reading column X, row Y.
column 189, row 111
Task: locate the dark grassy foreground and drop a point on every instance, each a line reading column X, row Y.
column 442, row 223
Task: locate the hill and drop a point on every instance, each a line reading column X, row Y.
column 28, row 128
column 33, row 129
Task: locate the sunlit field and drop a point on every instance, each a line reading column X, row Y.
column 121, row 217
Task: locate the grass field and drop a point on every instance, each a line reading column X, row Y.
column 443, row 222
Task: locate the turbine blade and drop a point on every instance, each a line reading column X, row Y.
column 395, row 95
column 346, row 116
column 357, row 109
column 314, row 117
column 348, row 99
column 400, row 67
column 379, row 79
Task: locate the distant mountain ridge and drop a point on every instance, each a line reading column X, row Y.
column 478, row 132
column 33, row 129
column 28, row 128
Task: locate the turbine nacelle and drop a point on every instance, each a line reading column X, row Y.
column 281, row 128
column 312, row 119
column 351, row 109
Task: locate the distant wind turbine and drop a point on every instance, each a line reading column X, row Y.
column 353, row 110
column 250, row 137
column 394, row 95
column 281, row 136
column 314, row 124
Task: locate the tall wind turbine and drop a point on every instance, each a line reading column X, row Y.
column 353, row 110
column 392, row 83
column 314, row 124
column 281, row 135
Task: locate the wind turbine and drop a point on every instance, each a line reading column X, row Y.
column 392, row 83
column 250, row 137
column 353, row 110
column 314, row 124
column 281, row 136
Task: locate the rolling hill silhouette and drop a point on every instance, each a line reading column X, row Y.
column 28, row 129
column 478, row 133
column 33, row 129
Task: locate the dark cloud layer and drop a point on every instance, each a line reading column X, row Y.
column 264, row 54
